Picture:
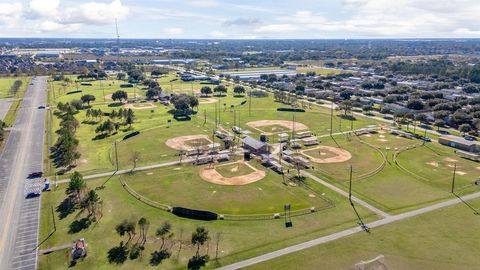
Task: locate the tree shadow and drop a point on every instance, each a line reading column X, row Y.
column 66, row 207
column 159, row 256
column 90, row 122
column 197, row 262
column 100, row 137
column 115, row 104
column 117, row 255
column 78, row 225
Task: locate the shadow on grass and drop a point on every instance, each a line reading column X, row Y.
column 197, row 262
column 158, row 256
column 475, row 211
column 117, row 255
column 115, row 104
column 65, row 208
column 78, row 225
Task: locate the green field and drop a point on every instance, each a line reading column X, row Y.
column 418, row 176
column 267, row 196
column 98, row 154
column 442, row 240
column 7, row 82
column 239, row 239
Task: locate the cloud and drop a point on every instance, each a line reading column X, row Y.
column 95, row 13
column 10, row 10
column 276, row 28
column 43, row 8
column 204, row 3
column 380, row 18
column 174, row 31
column 217, row 34
column 242, row 22
column 52, row 16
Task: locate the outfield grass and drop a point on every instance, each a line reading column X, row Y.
column 393, row 188
column 435, row 163
column 267, row 196
column 239, row 239
column 442, row 240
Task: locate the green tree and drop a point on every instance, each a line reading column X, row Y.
column 91, row 203
column 87, row 99
column 126, row 227
column 143, row 224
column 199, row 238
column 129, row 118
column 464, row 128
column 76, row 186
column 239, row 90
column 220, row 90
column 164, row 232
column 206, row 90
column 119, row 95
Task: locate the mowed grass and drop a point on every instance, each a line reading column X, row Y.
column 442, row 240
column 388, row 186
column 234, row 169
column 434, row 164
column 7, row 82
column 239, row 239
column 364, row 161
column 98, row 155
column 267, row 196
column 320, row 70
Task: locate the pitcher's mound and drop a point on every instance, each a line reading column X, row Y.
column 327, row 154
column 212, row 174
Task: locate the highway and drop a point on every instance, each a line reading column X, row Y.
column 23, row 154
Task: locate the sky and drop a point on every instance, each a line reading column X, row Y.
column 241, row 19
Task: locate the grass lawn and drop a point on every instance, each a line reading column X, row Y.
column 7, row 82
column 435, row 240
column 434, row 163
column 364, row 161
column 267, row 196
column 320, row 70
column 239, row 239
column 390, row 187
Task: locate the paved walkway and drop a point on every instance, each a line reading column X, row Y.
column 4, row 107
column 345, row 233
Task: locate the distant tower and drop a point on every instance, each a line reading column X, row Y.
column 117, row 50
column 118, row 35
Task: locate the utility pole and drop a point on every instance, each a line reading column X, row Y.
column 453, row 177
column 350, row 186
column 116, row 154
column 250, row 104
column 103, row 91
column 331, row 119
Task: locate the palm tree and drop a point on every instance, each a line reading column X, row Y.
column 199, row 238
column 164, row 232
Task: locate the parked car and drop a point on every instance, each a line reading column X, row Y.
column 32, row 194
column 469, row 138
column 35, row 175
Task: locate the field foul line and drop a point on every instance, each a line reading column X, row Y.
column 345, row 233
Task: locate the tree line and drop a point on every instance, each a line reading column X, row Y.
column 65, row 152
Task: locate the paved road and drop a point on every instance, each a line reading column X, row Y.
column 346, row 195
column 4, row 107
column 22, row 155
column 345, row 233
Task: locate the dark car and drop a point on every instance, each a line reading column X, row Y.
column 469, row 138
column 32, row 194
column 35, row 175
column 41, row 107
